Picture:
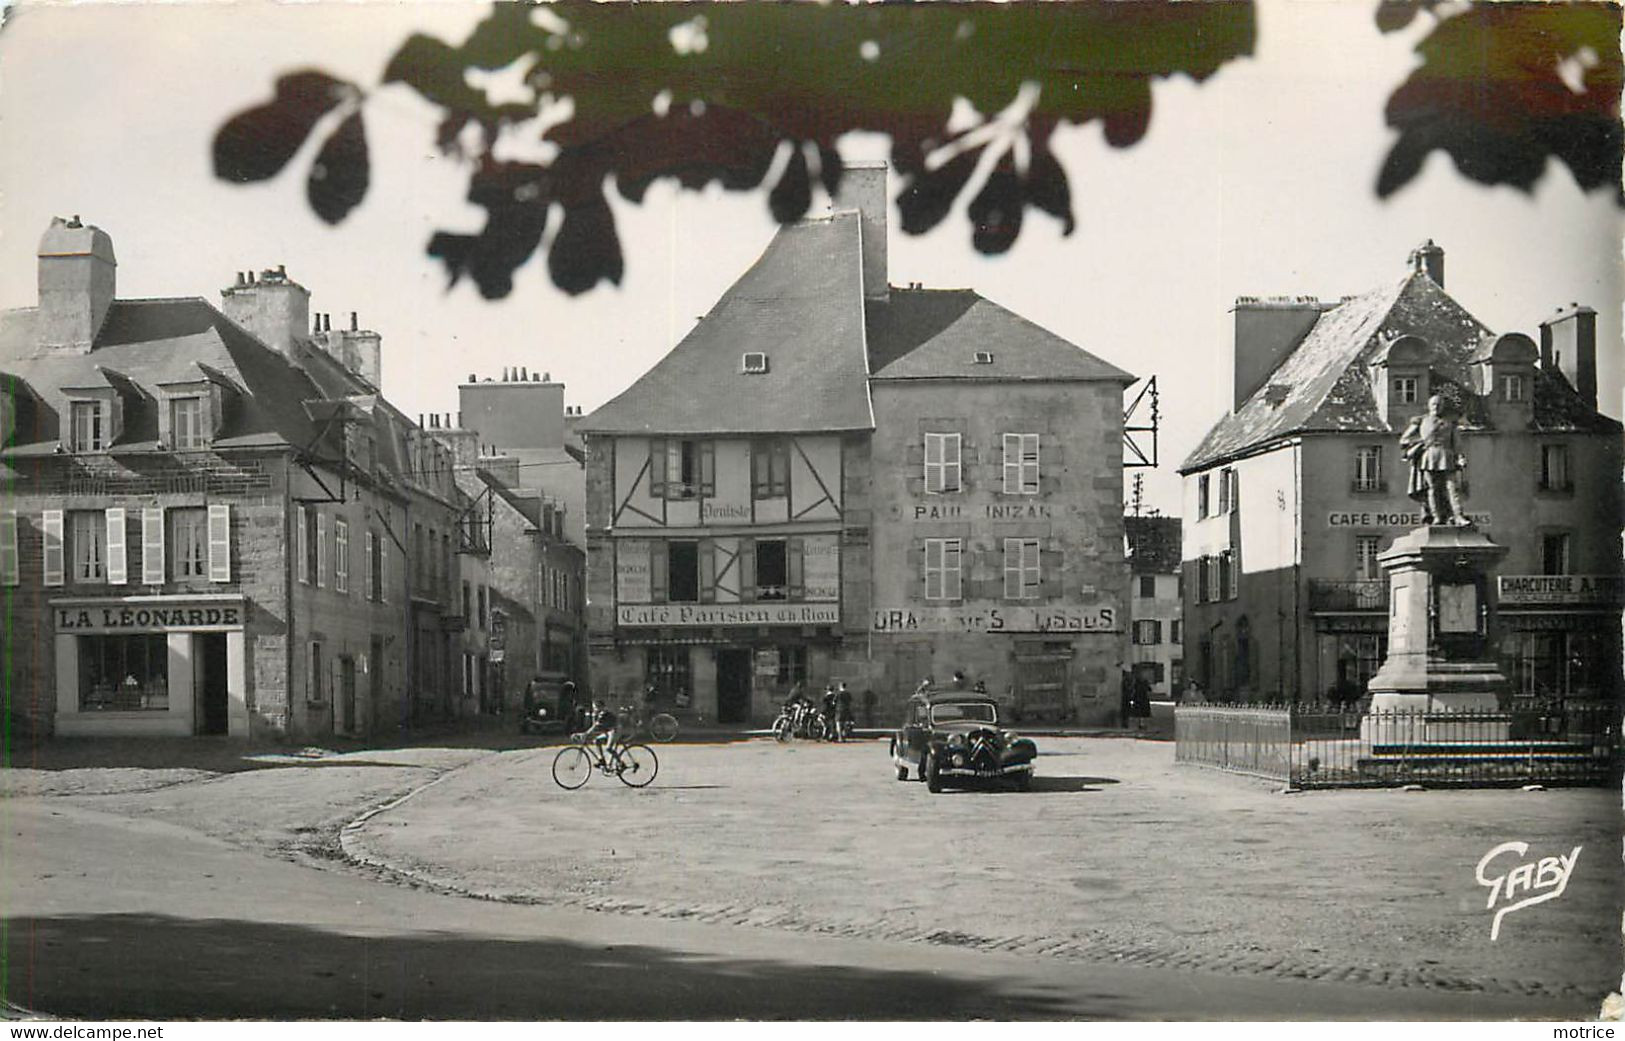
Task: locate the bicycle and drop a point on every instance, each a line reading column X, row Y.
column 662, row 726
column 635, row 764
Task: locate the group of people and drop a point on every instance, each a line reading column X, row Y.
column 835, row 704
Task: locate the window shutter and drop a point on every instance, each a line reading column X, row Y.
column 933, row 462
column 1012, row 547
column 321, row 550
column 220, row 542
column 51, row 528
column 118, row 558
column 953, row 569
column 657, row 469
column 370, row 541
column 951, row 477
column 152, row 546
column 383, row 569
column 708, row 469
column 1156, row 630
column 303, row 558
column 708, row 572
column 1012, row 469
column 747, row 569
column 659, row 572
column 10, row 571
column 793, row 550
column 341, row 556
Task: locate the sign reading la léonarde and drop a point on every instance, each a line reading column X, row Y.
column 677, row 615
column 1562, row 589
column 147, row 617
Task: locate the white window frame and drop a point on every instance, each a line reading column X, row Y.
column 1204, row 496
column 76, row 545
column 1554, row 478
column 1366, row 548
column 196, row 436
column 941, row 463
column 1227, row 490
column 341, row 555
column 1021, row 469
column 1368, row 468
column 1406, row 389
column 1512, row 387
column 944, row 562
column 1023, row 574
column 95, row 439
column 200, row 566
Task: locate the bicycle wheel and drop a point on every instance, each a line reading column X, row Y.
column 571, row 767
column 663, row 727
column 636, row 765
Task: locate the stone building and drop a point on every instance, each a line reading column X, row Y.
column 1291, row 497
column 835, row 479
column 212, row 525
column 1156, row 643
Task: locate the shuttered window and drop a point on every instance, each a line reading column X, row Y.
column 189, row 542
column 87, row 537
column 1021, row 464
column 942, row 463
column 321, row 550
column 220, row 543
column 341, row 556
column 942, row 569
column 52, row 555
column 152, row 546
column 10, row 570
column 118, row 556
column 1022, row 572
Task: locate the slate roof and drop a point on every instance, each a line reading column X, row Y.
column 1153, row 544
column 1328, row 386
column 935, row 334
column 802, row 304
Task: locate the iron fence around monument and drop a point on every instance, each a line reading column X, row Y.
column 1316, row 747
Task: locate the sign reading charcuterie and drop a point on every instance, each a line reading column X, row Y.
column 1562, row 589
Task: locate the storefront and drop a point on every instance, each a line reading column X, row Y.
column 150, row 665
column 1561, row 635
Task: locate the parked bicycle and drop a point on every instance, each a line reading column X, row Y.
column 635, row 764
column 661, row 726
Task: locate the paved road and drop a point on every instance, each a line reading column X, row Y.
column 109, row 916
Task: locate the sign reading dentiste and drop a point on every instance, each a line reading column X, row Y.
column 677, row 615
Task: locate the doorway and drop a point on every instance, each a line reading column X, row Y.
column 375, row 684
column 733, row 686
column 209, row 683
column 346, row 694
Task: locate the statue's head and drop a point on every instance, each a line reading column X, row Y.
column 1436, row 405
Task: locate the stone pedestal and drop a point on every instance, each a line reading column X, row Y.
column 1441, row 626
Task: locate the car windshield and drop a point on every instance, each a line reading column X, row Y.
column 975, row 712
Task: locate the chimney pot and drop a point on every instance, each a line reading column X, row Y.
column 420, row 419
column 547, row 377
column 282, row 269
column 354, row 322
column 524, row 375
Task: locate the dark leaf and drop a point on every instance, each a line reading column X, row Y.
column 258, row 142
column 790, row 198
column 1047, row 187
column 1394, row 15
column 1504, row 87
column 1129, row 116
column 436, row 70
column 515, row 197
column 927, row 197
column 339, row 176
column 995, row 212
column 586, row 249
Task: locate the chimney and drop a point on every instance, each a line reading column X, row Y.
column 1429, row 260
column 1568, row 344
column 1267, row 329
column 76, row 284
column 275, row 310
column 355, row 322
column 863, row 188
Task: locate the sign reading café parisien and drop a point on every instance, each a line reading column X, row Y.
column 148, row 617
column 727, row 614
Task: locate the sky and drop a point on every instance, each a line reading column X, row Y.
column 1257, row 182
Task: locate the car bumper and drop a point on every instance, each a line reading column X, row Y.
column 1002, row 771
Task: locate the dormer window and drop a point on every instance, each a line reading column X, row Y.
column 1405, row 390
column 1512, row 388
column 982, row 358
column 186, row 423
column 87, row 428
column 754, row 362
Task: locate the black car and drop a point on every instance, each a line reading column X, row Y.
column 952, row 738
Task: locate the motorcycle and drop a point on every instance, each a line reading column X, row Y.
column 784, row 724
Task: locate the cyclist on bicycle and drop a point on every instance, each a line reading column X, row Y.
column 603, row 732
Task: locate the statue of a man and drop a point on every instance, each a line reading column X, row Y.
column 1429, row 443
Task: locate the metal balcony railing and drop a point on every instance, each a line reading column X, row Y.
column 1357, row 595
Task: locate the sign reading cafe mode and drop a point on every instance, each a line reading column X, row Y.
column 727, row 614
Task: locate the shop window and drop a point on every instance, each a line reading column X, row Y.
column 681, row 469
column 1368, row 469
column 942, row 463
column 87, row 427
column 189, row 542
column 666, row 669
column 682, row 572
column 1148, row 632
column 772, row 569
column 124, row 673
column 769, row 468
column 1151, row 671
column 186, row 423
column 942, row 573
column 1554, row 553
column 1148, row 587
column 1554, row 468
column 1022, row 577
column 792, row 666
column 87, row 542
column 1021, row 464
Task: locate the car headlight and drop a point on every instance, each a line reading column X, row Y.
column 959, row 760
column 541, row 712
column 956, row 741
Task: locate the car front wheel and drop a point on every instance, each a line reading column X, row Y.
column 933, row 775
